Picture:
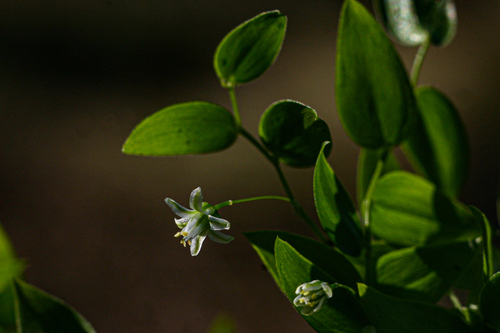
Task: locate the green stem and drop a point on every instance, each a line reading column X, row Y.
column 458, row 305
column 232, row 202
column 370, row 276
column 419, row 59
column 274, row 161
column 234, row 103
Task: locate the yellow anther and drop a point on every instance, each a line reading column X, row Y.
column 305, row 293
column 183, row 233
column 314, row 296
column 177, row 234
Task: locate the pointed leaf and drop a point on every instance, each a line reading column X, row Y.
column 38, row 311
column 375, row 100
column 341, row 313
column 423, row 273
column 250, row 49
column 408, row 210
column 335, row 209
column 181, row 129
column 390, row 314
column 367, row 162
column 438, row 147
column 324, row 257
column 7, row 309
column 412, row 22
column 293, row 133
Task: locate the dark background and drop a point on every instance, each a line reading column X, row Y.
column 77, row 76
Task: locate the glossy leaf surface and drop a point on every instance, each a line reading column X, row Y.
column 293, row 132
column 438, row 147
column 408, row 210
column 489, row 302
column 327, row 259
column 335, row 209
column 341, row 313
column 182, row 129
column 38, row 311
column 250, row 49
column 412, row 22
column 390, row 314
column 423, row 273
column 375, row 100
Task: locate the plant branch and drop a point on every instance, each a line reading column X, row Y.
column 418, row 61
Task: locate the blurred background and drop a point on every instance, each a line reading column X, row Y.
column 77, row 76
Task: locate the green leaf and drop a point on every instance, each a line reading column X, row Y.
column 408, row 210
column 335, row 209
column 489, row 302
column 181, row 129
column 341, row 313
column 293, row 133
column 375, row 99
column 390, row 314
column 327, row 259
column 10, row 266
column 37, row 311
column 423, row 273
column 367, row 162
column 7, row 309
column 438, row 147
column 487, row 242
column 250, row 49
column 412, row 22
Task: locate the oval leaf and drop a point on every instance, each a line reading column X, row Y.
column 250, row 49
column 423, row 273
column 390, row 314
column 38, row 311
column 408, row 210
column 375, row 100
column 181, row 129
column 489, row 302
column 438, row 147
column 335, row 209
column 293, row 133
column 340, row 314
column 412, row 22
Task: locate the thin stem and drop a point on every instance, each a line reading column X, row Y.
column 234, row 103
column 419, row 59
column 274, row 161
column 458, row 305
column 366, row 218
column 267, row 197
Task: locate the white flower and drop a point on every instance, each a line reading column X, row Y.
column 198, row 222
column 312, row 295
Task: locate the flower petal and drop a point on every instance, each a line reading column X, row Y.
column 216, row 223
column 178, row 209
column 196, row 244
column 196, row 200
column 200, row 226
column 181, row 223
column 219, row 237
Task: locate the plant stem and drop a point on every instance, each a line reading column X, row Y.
column 231, row 202
column 366, row 207
column 417, row 63
column 274, row 161
column 234, row 103
column 458, row 305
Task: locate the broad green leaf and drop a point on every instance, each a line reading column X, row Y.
column 413, row 22
column 250, row 49
column 7, row 309
column 438, row 147
column 367, row 162
column 327, row 259
column 489, row 302
column 341, row 313
column 408, row 210
column 390, row 314
column 335, row 209
column 423, row 273
column 293, row 133
column 37, row 311
column 182, row 129
column 379, row 248
column 10, row 266
column 375, row 99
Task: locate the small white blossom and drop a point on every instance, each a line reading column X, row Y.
column 198, row 222
column 312, row 295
